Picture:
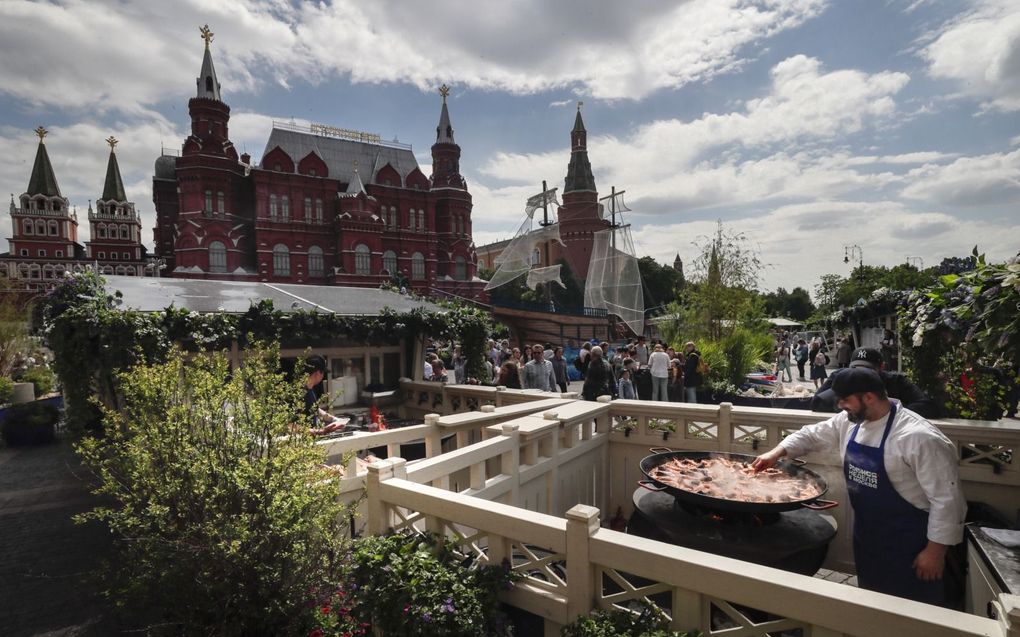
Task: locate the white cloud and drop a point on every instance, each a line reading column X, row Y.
column 984, row 180
column 980, row 52
column 803, row 241
column 132, row 54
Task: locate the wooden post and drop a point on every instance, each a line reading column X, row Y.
column 433, row 436
column 510, row 462
column 582, row 523
column 378, row 512
column 725, row 427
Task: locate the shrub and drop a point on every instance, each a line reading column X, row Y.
column 6, row 390
column 30, row 424
column 221, row 520
column 414, row 584
column 645, row 620
column 40, row 376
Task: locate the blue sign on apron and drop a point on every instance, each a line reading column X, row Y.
column 889, row 532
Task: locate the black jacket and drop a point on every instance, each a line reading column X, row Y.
column 897, row 385
column 692, row 377
column 598, row 381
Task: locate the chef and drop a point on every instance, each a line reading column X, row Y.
column 902, row 479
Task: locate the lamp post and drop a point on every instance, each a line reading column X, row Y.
column 849, row 252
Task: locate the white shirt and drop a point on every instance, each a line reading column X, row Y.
column 658, row 362
column 539, row 375
column 641, row 354
column 920, row 460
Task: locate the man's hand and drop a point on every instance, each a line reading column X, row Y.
column 930, row 561
column 767, row 459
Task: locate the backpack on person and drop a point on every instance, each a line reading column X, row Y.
column 703, row 367
column 579, row 364
column 821, row 360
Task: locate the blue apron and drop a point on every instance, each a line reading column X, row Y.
column 889, row 532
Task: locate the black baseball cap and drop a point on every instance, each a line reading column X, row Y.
column 866, row 357
column 857, row 380
column 315, row 364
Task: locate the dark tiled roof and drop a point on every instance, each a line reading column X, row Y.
column 114, row 188
column 43, row 181
column 340, row 154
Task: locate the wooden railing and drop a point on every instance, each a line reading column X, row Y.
column 522, row 460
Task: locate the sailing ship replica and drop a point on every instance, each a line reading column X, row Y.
column 613, row 282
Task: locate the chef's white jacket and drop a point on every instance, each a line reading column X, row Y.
column 920, row 460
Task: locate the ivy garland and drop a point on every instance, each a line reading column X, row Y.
column 93, row 340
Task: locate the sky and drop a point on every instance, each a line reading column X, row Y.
column 808, row 126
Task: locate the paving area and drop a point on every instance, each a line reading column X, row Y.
column 46, row 560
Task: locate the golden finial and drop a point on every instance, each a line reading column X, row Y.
column 207, row 35
column 112, row 141
column 41, row 132
column 444, row 90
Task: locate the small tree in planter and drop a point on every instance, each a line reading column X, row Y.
column 41, row 378
column 222, row 517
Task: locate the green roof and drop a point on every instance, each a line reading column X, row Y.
column 43, row 181
column 114, row 188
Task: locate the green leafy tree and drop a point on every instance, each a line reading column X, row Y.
column 223, row 518
column 14, row 338
column 661, row 282
column 795, row 305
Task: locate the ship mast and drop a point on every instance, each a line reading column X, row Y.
column 548, row 256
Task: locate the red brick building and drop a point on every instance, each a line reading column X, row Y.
column 324, row 206
column 44, row 229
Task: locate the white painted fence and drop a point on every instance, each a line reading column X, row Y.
column 519, row 467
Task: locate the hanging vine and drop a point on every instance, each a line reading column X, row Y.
column 93, row 339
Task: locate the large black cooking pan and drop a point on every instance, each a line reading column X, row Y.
column 660, row 456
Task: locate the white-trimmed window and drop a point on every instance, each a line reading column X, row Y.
column 394, row 217
column 40, row 227
column 29, row 227
column 421, row 221
column 285, row 207
column 124, row 232
column 208, row 201
column 417, row 266
column 316, row 265
column 102, row 256
column 113, row 256
column 318, row 210
column 308, row 208
column 59, row 253
column 410, row 220
column 460, row 269
column 101, row 231
column 273, row 207
column 389, row 262
column 221, row 203
column 41, row 253
column 53, row 228
column 217, row 257
column 385, row 216
column 127, row 256
column 24, row 252
column 281, row 260
column 362, row 259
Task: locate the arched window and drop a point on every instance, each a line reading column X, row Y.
column 362, row 259
column 389, row 262
column 29, row 227
column 308, row 208
column 417, row 266
column 124, row 232
column 40, row 227
column 460, row 269
column 421, row 221
column 272, row 207
column 318, row 210
column 394, row 215
column 536, row 257
column 53, row 228
column 316, row 266
column 208, row 201
column 385, row 216
column 281, row 260
column 221, row 203
column 285, row 207
column 410, row 219
column 101, row 230
column 217, row 257
column 120, row 270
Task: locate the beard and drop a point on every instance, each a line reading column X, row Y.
column 858, row 416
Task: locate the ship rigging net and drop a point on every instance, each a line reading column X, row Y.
column 518, row 258
column 614, row 280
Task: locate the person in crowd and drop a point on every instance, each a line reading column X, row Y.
column 320, row 421
column 902, row 478
column 842, row 352
column 675, row 390
column 624, row 387
column 426, row 372
column 492, row 352
column 548, row 352
column 584, row 355
column 439, row 370
column 897, row 386
column 459, row 363
column 560, row 369
column 800, row 354
column 671, row 353
column 692, row 377
column 538, row 372
column 783, row 361
column 509, row 376
column 889, row 349
column 658, row 364
column 818, row 362
column 598, row 380
column 641, row 353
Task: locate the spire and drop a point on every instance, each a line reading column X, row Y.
column 43, row 181
column 208, row 85
column 579, row 175
column 444, row 132
column 114, row 188
column 355, row 187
